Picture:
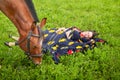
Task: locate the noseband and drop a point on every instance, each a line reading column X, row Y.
column 30, row 34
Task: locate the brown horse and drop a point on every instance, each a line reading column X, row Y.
column 24, row 18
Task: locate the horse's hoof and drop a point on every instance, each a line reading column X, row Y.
column 7, row 44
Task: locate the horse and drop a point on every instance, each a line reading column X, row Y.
column 23, row 16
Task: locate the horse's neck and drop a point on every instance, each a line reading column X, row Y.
column 18, row 13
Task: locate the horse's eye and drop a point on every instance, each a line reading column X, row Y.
column 34, row 47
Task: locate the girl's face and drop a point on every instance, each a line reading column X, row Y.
column 86, row 34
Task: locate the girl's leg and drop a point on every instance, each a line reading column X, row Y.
column 14, row 37
column 10, row 44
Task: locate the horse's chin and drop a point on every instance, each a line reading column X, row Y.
column 37, row 61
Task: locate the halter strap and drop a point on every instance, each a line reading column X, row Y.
column 30, row 34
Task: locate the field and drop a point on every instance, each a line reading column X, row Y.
column 101, row 63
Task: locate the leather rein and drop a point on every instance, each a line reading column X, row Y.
column 30, row 34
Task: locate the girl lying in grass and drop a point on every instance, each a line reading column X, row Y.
column 66, row 41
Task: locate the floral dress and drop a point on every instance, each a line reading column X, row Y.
column 57, row 43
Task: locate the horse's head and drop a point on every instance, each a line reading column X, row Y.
column 22, row 14
column 32, row 43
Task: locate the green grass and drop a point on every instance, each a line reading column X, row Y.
column 102, row 63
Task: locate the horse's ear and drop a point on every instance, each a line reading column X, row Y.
column 43, row 22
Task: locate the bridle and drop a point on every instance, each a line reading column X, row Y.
column 30, row 34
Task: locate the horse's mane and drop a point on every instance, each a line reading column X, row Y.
column 32, row 10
